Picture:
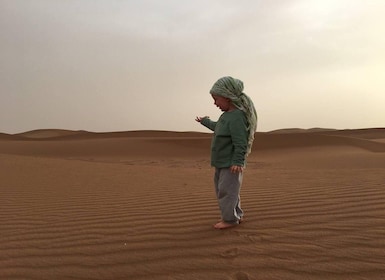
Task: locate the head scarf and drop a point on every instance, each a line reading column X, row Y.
column 231, row 88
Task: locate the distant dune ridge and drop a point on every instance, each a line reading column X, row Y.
column 140, row 205
column 369, row 139
column 80, row 134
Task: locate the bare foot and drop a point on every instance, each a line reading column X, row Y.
column 239, row 221
column 223, row 225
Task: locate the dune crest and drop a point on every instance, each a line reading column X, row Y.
column 65, row 143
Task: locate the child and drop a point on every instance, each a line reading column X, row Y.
column 231, row 144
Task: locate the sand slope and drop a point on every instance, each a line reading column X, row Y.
column 140, row 205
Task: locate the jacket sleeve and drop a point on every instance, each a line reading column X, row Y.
column 239, row 137
column 209, row 123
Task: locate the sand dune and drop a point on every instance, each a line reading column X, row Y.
column 171, row 144
column 4, row 136
column 292, row 140
column 59, row 134
column 140, row 205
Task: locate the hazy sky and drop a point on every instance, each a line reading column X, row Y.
column 114, row 65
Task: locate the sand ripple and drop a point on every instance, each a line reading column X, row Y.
column 312, row 213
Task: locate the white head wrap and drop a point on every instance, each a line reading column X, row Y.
column 233, row 89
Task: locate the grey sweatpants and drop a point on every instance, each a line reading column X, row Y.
column 227, row 189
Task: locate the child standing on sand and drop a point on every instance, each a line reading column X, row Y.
column 231, row 144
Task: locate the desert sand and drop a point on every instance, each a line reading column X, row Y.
column 141, row 205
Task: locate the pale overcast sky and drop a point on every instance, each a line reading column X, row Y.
column 117, row 65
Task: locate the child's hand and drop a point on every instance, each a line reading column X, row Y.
column 236, row 169
column 199, row 119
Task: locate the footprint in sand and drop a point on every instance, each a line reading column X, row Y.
column 251, row 237
column 254, row 238
column 241, row 276
column 231, row 253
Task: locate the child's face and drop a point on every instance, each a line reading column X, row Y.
column 221, row 102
